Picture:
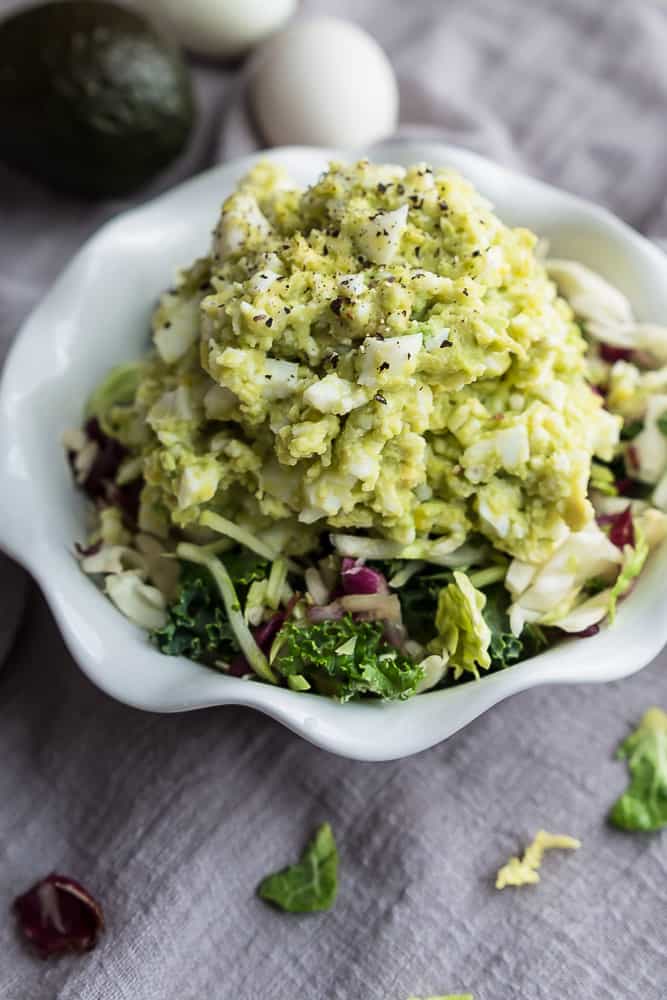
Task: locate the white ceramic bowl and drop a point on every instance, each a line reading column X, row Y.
column 96, row 315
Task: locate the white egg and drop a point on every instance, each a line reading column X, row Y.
column 221, row 28
column 323, row 81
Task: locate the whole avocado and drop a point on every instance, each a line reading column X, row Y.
column 93, row 99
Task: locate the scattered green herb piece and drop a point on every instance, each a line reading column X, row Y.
column 345, row 658
column 643, row 806
column 310, row 885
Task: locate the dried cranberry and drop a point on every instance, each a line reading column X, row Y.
column 58, row 915
column 613, row 354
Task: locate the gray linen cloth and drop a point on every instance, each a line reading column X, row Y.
column 172, row 821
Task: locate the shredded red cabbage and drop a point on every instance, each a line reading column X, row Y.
column 625, row 485
column 263, row 635
column 613, row 354
column 100, row 484
column 87, row 550
column 395, row 634
column 359, row 579
column 585, row 633
column 58, row 915
column 110, row 453
column 126, row 497
column 621, row 527
column 324, row 612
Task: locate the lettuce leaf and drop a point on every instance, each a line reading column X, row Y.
column 633, row 563
column 310, row 885
column 345, row 658
column 463, row 634
column 117, row 389
column 643, row 806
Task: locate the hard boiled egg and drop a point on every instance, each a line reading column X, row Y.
column 324, row 81
column 221, row 28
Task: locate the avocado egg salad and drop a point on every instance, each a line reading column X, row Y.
column 380, row 444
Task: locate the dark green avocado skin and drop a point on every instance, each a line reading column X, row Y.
column 93, row 99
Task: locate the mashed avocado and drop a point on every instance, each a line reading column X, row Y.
column 377, row 354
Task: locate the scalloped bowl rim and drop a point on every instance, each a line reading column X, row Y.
column 96, row 315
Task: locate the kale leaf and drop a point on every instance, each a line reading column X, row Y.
column 311, row 884
column 244, row 567
column 344, row 658
column 197, row 626
column 630, row 430
column 643, row 806
column 506, row 648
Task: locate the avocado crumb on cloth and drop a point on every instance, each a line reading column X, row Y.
column 524, row 871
